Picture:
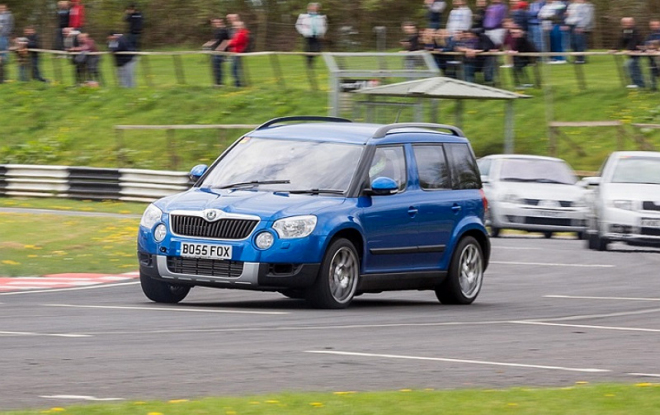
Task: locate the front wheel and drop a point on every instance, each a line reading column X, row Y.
column 338, row 277
column 465, row 275
column 163, row 292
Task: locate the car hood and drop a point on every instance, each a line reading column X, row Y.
column 630, row 191
column 267, row 205
column 541, row 191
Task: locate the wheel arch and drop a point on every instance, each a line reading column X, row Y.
column 483, row 241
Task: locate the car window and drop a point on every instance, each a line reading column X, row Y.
column 637, row 170
column 536, row 170
column 464, row 170
column 389, row 162
column 432, row 167
column 484, row 166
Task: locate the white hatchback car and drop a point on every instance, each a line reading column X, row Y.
column 625, row 201
column 532, row 193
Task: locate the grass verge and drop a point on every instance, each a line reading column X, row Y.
column 640, row 399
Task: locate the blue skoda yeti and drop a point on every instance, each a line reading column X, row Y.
column 324, row 209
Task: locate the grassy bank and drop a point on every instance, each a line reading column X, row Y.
column 641, row 399
column 57, row 124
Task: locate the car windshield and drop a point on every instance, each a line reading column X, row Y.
column 637, row 170
column 537, row 171
column 287, row 165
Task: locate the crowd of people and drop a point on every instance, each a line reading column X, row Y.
column 555, row 26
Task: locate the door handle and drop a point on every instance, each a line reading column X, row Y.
column 456, row 208
column 412, row 211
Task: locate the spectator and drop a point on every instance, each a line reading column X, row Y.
column 577, row 20
column 88, row 60
column 460, row 18
column 238, row 44
column 434, row 12
column 552, row 15
column 520, row 44
column 218, row 44
column 232, row 18
column 71, row 44
column 62, row 22
column 631, row 42
column 535, row 30
column 135, row 21
column 652, row 45
column 493, row 19
column 445, row 43
column 519, row 14
column 33, row 43
column 6, row 29
column 410, row 43
column 312, row 26
column 125, row 62
column 472, row 43
column 77, row 15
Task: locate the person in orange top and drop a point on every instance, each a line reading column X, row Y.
column 238, row 44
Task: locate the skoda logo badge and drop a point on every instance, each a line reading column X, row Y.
column 211, row 215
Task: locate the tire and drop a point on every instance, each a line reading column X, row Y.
column 581, row 236
column 163, row 292
column 601, row 243
column 294, row 294
column 592, row 241
column 338, row 277
column 494, row 232
column 547, row 235
column 465, row 276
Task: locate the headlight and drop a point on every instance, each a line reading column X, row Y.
column 151, row 216
column 623, row 204
column 160, row 232
column 295, row 227
column 264, row 240
column 513, row 198
column 580, row 202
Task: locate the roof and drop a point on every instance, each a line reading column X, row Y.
column 522, row 157
column 441, row 87
column 636, row 154
column 342, row 132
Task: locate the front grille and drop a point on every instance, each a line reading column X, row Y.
column 531, row 202
column 651, row 231
column 530, row 220
column 206, row 267
column 650, row 206
column 565, row 203
column 222, row 229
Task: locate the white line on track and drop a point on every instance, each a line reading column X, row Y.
column 174, row 309
column 590, row 316
column 25, row 333
column 544, row 264
column 475, row 362
column 54, row 290
column 646, row 375
column 81, row 398
column 519, row 248
column 586, row 326
column 577, row 297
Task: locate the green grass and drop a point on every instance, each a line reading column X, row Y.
column 640, row 399
column 57, row 124
column 107, row 206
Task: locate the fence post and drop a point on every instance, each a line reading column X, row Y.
column 146, row 70
column 275, row 63
column 171, row 149
column 119, row 146
column 178, row 69
column 619, row 69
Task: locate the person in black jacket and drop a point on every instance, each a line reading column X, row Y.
column 33, row 43
column 631, row 41
column 135, row 21
column 62, row 22
column 520, row 44
column 125, row 62
column 218, row 44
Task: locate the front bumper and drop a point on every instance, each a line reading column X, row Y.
column 227, row 274
column 533, row 218
column 633, row 227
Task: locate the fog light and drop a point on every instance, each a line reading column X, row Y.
column 160, row 232
column 264, row 240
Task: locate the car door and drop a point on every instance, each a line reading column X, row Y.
column 389, row 220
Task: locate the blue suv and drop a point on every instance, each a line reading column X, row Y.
column 324, row 209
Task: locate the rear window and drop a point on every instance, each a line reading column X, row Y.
column 464, row 170
column 432, row 167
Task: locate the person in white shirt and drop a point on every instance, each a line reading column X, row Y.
column 460, row 18
column 312, row 26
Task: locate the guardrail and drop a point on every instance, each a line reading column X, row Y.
column 90, row 183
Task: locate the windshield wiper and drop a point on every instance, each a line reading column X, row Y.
column 550, row 181
column 252, row 183
column 317, row 191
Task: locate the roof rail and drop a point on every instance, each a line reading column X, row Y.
column 301, row 118
column 382, row 131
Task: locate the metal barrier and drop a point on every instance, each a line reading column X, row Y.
column 20, row 180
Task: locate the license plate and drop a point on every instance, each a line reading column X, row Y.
column 651, row 223
column 548, row 213
column 206, row 251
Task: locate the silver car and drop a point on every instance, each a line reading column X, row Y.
column 625, row 200
column 532, row 193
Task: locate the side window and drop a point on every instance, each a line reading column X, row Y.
column 484, row 166
column 389, row 162
column 432, row 167
column 464, row 170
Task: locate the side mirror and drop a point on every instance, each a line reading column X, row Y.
column 590, row 182
column 197, row 172
column 383, row 186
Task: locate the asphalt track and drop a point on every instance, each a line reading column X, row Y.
column 550, row 313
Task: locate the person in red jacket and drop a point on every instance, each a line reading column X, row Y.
column 77, row 15
column 238, row 44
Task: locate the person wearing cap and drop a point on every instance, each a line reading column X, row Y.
column 125, row 62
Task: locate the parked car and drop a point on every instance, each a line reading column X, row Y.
column 324, row 209
column 625, row 204
column 532, row 193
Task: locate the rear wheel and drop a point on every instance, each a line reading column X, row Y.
column 338, row 278
column 163, row 292
column 547, row 235
column 465, row 276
